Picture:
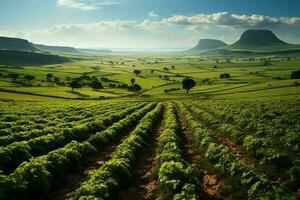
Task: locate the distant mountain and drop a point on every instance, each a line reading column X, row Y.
column 95, row 51
column 257, row 39
column 16, row 44
column 55, row 48
column 208, row 44
column 13, row 57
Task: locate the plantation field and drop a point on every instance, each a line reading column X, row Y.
column 229, row 138
column 159, row 76
column 195, row 149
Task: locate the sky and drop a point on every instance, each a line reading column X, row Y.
column 145, row 24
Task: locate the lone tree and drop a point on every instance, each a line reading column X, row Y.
column 49, row 76
column 135, row 88
column 29, row 77
column 225, row 76
column 56, row 79
column 187, row 84
column 295, row 74
column 95, row 84
column 132, row 81
column 137, row 72
column 14, row 76
column 75, row 84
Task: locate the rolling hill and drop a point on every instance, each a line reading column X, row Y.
column 16, row 44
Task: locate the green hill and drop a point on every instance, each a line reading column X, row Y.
column 16, row 44
column 55, row 48
column 208, row 44
column 13, row 57
column 258, row 39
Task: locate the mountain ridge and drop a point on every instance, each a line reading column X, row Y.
column 9, row 43
column 64, row 49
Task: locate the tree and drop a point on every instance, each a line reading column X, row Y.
column 137, row 72
column 225, row 76
column 295, row 74
column 173, row 67
column 29, row 77
column 75, row 84
column 165, row 69
column 49, row 76
column 266, row 63
column 56, row 79
column 95, row 84
column 166, row 77
column 135, row 88
column 13, row 76
column 187, row 84
column 152, row 71
column 132, row 81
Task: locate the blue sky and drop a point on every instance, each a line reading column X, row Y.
column 145, row 23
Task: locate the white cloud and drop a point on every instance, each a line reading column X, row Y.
column 152, row 26
column 89, row 27
column 232, row 20
column 154, row 33
column 87, row 5
column 153, row 14
column 7, row 33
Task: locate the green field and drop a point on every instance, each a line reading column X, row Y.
column 158, row 73
column 216, row 142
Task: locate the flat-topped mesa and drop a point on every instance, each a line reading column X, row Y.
column 258, row 38
column 7, row 43
column 208, row 44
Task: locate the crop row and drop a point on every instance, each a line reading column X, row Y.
column 258, row 146
column 16, row 153
column 34, row 179
column 105, row 182
column 177, row 179
column 280, row 120
column 55, row 127
column 254, row 184
column 12, row 124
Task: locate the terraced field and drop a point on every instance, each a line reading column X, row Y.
column 150, row 150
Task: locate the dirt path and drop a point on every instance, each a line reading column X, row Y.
column 234, row 148
column 211, row 184
column 190, row 146
column 144, row 186
column 73, row 181
column 246, row 159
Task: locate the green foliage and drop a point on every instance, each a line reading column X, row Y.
column 295, row 74
column 250, row 180
column 117, row 172
column 187, row 84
